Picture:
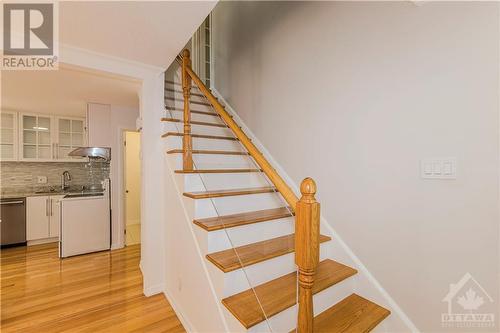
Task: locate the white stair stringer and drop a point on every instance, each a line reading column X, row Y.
column 188, row 285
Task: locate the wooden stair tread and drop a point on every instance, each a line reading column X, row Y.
column 235, row 220
column 209, row 152
column 232, row 259
column 201, row 136
column 207, row 113
column 218, row 171
column 190, row 101
column 193, row 122
column 280, row 294
column 229, row 193
column 354, row 314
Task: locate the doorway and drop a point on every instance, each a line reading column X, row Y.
column 132, row 182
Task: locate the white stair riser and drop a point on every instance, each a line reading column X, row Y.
column 286, row 320
column 198, row 129
column 179, row 97
column 192, row 106
column 237, row 236
column 224, row 181
column 256, row 274
column 237, row 204
column 175, row 142
column 170, row 113
column 219, row 161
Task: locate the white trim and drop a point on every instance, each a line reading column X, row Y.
column 324, row 224
column 153, row 290
column 42, row 241
column 98, row 61
column 117, row 246
column 188, row 326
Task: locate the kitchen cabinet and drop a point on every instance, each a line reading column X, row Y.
column 42, row 217
column 99, row 123
column 70, row 135
column 55, row 215
column 35, row 137
column 48, row 138
column 8, row 136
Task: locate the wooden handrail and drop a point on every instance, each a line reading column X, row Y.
column 259, row 158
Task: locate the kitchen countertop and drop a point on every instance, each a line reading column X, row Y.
column 44, row 192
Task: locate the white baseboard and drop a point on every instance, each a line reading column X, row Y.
column 132, row 222
column 42, row 241
column 152, row 290
column 117, row 246
column 184, row 321
column 361, row 267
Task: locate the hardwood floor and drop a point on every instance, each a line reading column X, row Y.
column 100, row 292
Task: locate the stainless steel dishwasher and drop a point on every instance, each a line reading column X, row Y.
column 13, row 222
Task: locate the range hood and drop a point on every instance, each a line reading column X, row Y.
column 103, row 153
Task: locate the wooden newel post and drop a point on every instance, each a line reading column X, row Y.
column 187, row 142
column 307, row 217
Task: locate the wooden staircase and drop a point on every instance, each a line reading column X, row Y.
column 265, row 300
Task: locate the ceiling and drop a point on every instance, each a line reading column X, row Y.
column 150, row 32
column 65, row 91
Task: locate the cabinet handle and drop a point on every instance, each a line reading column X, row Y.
column 11, row 202
column 50, row 205
column 47, row 207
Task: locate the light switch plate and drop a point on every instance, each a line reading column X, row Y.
column 41, row 179
column 439, row 168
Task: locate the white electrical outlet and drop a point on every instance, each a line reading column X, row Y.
column 41, row 179
column 439, row 168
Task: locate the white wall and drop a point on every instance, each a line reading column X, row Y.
column 363, row 92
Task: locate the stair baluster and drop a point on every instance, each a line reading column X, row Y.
column 187, row 141
column 307, row 217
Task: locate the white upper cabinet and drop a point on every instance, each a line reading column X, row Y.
column 99, row 122
column 35, row 137
column 50, row 138
column 8, row 136
column 70, row 135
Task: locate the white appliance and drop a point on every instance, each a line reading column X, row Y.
column 85, row 222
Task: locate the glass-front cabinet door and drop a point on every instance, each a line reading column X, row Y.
column 8, row 136
column 35, row 138
column 70, row 135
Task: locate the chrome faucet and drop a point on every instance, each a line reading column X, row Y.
column 66, row 176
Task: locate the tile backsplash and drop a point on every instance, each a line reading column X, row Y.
column 22, row 176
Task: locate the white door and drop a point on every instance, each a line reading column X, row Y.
column 132, row 172
column 37, row 217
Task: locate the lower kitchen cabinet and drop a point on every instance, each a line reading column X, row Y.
column 55, row 215
column 42, row 217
